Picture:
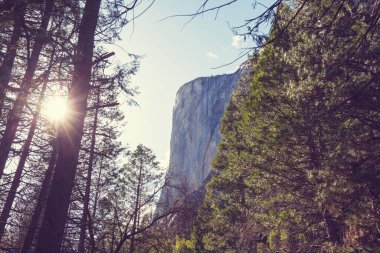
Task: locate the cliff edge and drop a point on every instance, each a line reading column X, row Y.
column 197, row 114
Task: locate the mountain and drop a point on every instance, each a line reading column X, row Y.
column 197, row 115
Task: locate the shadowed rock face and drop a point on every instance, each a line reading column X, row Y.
column 197, row 115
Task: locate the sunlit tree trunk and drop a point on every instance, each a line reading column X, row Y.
column 51, row 234
column 19, row 104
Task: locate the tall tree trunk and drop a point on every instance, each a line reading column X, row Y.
column 30, row 235
column 19, row 104
column 51, row 234
column 137, row 210
column 332, row 227
column 91, row 229
column 91, row 233
column 86, row 200
column 10, row 55
column 21, row 164
column 113, row 239
column 252, row 247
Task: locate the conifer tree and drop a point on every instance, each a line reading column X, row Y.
column 291, row 142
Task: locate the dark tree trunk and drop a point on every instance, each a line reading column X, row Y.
column 10, row 55
column 30, row 235
column 86, row 200
column 113, row 239
column 19, row 104
column 21, row 164
column 91, row 233
column 137, row 210
column 96, row 198
column 252, row 247
column 51, row 234
column 332, row 227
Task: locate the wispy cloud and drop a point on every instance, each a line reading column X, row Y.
column 237, row 41
column 212, row 55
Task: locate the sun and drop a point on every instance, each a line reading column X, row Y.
column 55, row 108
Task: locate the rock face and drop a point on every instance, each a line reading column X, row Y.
column 197, row 115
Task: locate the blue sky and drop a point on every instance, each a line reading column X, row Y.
column 175, row 53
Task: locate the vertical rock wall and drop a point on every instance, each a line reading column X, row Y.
column 197, row 115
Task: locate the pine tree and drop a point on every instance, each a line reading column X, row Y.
column 69, row 142
column 292, row 140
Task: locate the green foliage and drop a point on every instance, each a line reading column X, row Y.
column 297, row 169
column 183, row 245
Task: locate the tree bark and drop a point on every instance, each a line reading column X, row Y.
column 137, row 209
column 332, row 227
column 19, row 104
column 252, row 247
column 51, row 234
column 91, row 229
column 10, row 55
column 86, row 200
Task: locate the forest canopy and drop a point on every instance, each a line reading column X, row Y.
column 297, row 169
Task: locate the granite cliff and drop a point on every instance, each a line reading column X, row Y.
column 197, row 115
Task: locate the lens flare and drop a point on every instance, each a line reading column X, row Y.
column 55, row 108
